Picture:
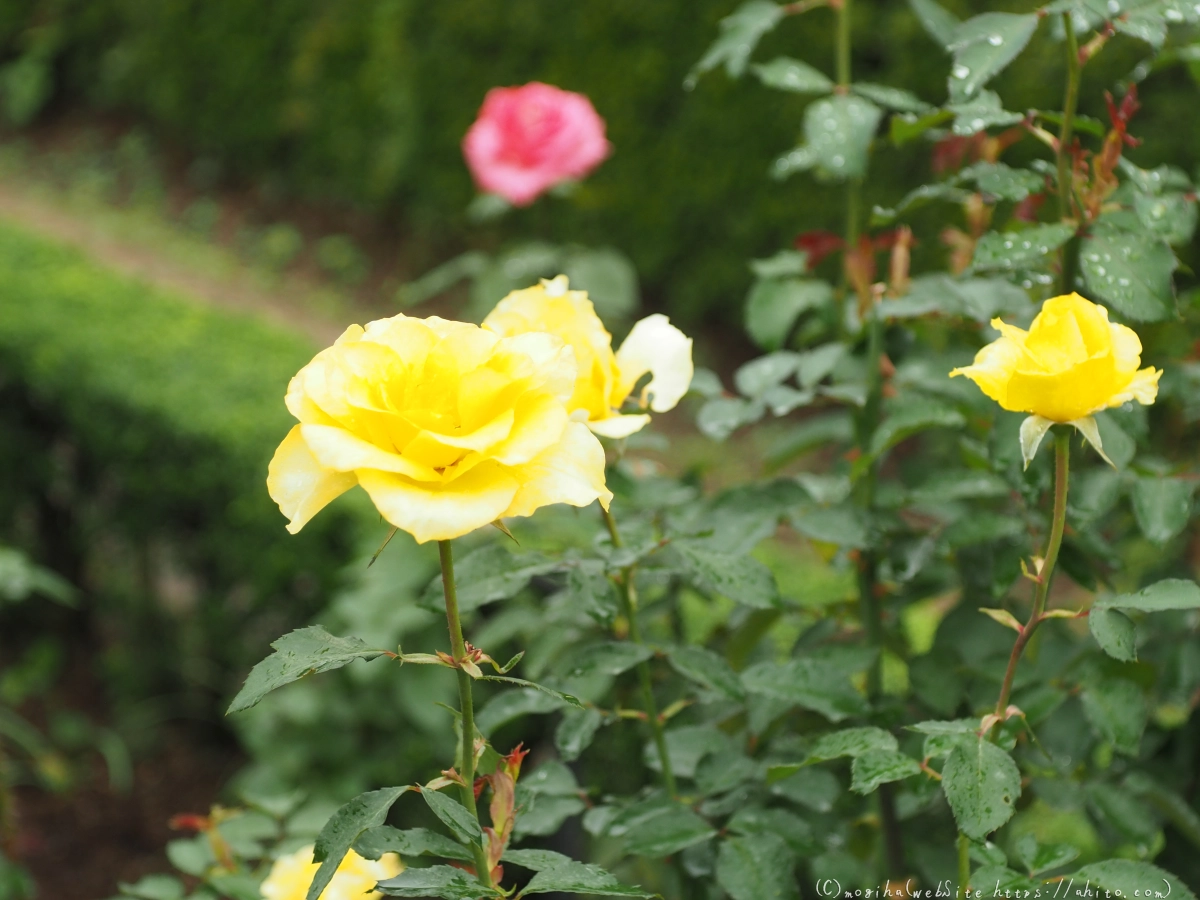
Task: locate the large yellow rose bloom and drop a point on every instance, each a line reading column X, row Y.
column 1070, row 364
column 355, row 877
column 605, row 379
column 446, row 426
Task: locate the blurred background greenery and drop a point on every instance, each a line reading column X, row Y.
column 293, row 164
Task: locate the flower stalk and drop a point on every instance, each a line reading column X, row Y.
column 629, row 605
column 1070, row 251
column 964, row 863
column 466, row 704
column 1062, row 453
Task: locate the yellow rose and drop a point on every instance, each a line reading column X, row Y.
column 292, row 874
column 1071, row 363
column 446, row 426
column 605, row 379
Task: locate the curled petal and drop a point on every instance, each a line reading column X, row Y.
column 300, row 484
column 658, row 347
column 619, row 426
column 1143, row 388
column 340, row 451
column 571, row 472
column 993, row 368
column 439, row 512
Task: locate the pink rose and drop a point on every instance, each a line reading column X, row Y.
column 528, row 139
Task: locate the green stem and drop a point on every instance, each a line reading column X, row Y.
column 1065, row 136
column 1062, row 457
column 458, row 649
column 629, row 604
column 964, row 863
column 843, row 43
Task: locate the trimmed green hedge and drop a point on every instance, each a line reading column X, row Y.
column 137, row 429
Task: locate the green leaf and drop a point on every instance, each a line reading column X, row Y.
column 812, row 684
column 912, row 417
column 937, row 21
column 590, row 589
column 707, row 669
column 757, row 867
column 580, row 878
column 835, row 428
column 941, row 737
column 981, row 299
column 1009, row 251
column 981, row 113
column 843, row 525
column 784, row 264
column 1162, row 506
column 536, row 860
column 891, row 98
column 659, row 826
column 305, row 651
column 982, row 46
column 1130, row 271
column 576, row 731
column 1114, row 632
column 1129, row 876
column 851, row 742
column 722, row 416
column 568, row 699
column 797, row 833
column 1003, row 182
column 877, row 767
column 789, row 74
column 1118, row 445
column 512, row 705
column 1171, row 593
column 445, row 882
column 774, row 305
column 982, row 784
column 609, row 658
column 343, row 828
column 743, row 579
column 1170, row 216
column 454, row 816
column 1038, row 858
column 838, row 132
column 155, row 887
column 545, row 799
column 740, row 34
column 1117, row 710
column 908, row 127
column 758, row 375
column 375, row 842
column 19, row 579
column 488, row 574
column 608, row 276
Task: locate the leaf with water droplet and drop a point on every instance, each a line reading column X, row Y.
column 740, row 34
column 838, row 132
column 1009, row 251
column 980, row 113
column 983, row 46
column 1004, row 182
column 1129, row 271
column 982, row 785
column 937, row 21
column 789, row 74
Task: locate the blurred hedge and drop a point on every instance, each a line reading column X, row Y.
column 136, row 432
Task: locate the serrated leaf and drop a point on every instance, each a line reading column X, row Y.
column 591, row 590
column 982, row 46
column 891, row 98
column 743, row 579
column 937, row 21
column 843, row 524
column 1117, row 710
column 1003, row 182
column 568, row 699
column 1129, row 876
column 758, row 375
column 910, row 418
column 659, row 826
column 1114, row 632
column 980, row 113
column 305, row 651
column 576, row 731
column 512, row 705
column 445, row 882
column 812, row 684
column 536, row 860
column 982, row 784
column 789, row 74
column 707, row 669
column 1130, row 271
column 1162, row 506
column 1170, row 216
column 941, row 737
column 343, row 829
column 877, row 767
column 757, row 867
column 740, row 34
column 908, row 127
column 1170, row 593
column 375, row 842
column 580, row 878
column 838, row 132
column 488, row 574
column 774, row 305
column 454, row 816
column 851, row 742
column 609, row 658
column 1010, row 251
column 1038, row 858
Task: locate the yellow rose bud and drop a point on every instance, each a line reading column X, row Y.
column 605, row 379
column 1071, row 363
column 292, row 874
column 446, row 426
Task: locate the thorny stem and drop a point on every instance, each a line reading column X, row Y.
column 1065, row 136
column 459, row 650
column 1062, row 453
column 629, row 604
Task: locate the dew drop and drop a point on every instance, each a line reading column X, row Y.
column 960, row 71
column 1008, row 245
column 977, row 124
column 1123, row 282
column 838, row 161
column 1113, row 7
column 1174, row 15
column 995, row 40
column 1101, row 271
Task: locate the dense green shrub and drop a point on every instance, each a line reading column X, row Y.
column 137, row 428
column 366, row 101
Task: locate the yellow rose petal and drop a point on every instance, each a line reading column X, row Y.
column 658, row 347
column 300, row 484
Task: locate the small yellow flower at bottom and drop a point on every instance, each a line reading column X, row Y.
column 292, row 874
